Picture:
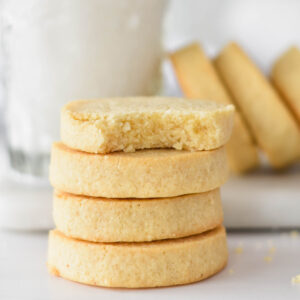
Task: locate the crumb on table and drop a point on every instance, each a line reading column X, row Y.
column 231, row 271
column 296, row 279
column 294, row 234
column 272, row 249
column 268, row 258
column 239, row 250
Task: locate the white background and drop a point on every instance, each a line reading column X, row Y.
column 265, row 28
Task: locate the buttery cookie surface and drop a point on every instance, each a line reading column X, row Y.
column 286, row 77
column 136, row 220
column 142, row 174
column 198, row 79
column 270, row 121
column 138, row 265
column 129, row 124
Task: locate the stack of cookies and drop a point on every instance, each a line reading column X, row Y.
column 136, row 200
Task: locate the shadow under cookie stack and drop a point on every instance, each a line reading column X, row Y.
column 136, row 200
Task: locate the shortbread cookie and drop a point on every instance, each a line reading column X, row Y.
column 143, row 174
column 271, row 123
column 138, row 265
column 199, row 79
column 136, row 220
column 129, row 124
column 286, row 77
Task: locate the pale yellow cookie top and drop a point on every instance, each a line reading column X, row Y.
column 133, row 123
column 98, row 108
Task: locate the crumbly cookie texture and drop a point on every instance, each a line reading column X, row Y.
column 129, row 124
column 143, row 174
column 136, row 220
column 270, row 121
column 138, row 265
column 286, row 77
column 198, row 79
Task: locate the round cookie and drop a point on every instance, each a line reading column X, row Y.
column 138, row 265
column 286, row 77
column 136, row 220
column 132, row 123
column 269, row 120
column 142, row 174
column 198, row 78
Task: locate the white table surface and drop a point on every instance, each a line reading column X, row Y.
column 262, row 271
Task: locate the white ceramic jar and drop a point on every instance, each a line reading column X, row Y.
column 55, row 51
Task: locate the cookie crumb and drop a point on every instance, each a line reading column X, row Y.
column 239, row 250
column 231, row 271
column 294, row 234
column 296, row 279
column 268, row 258
column 272, row 249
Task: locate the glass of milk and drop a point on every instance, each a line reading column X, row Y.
column 54, row 51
